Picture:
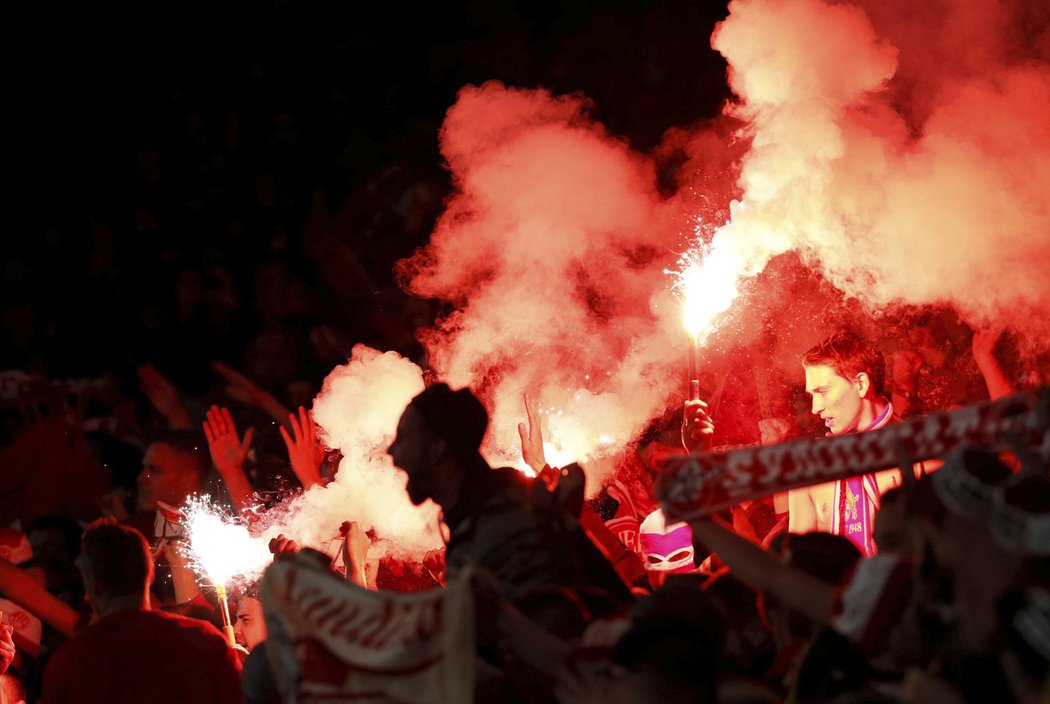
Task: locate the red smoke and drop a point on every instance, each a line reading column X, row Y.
column 899, row 151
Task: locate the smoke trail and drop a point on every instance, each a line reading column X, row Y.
column 553, row 251
column 898, row 168
column 357, row 412
column 923, row 190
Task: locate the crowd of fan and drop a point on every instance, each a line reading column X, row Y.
column 278, row 247
column 585, row 601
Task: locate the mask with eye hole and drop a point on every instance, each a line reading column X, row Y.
column 666, row 548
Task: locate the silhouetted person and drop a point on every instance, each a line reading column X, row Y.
column 130, row 653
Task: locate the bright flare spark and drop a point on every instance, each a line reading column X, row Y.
column 220, row 546
column 706, row 283
column 554, row 455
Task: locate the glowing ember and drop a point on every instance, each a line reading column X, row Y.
column 707, row 285
column 220, row 546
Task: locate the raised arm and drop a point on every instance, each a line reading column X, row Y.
column 246, row 391
column 698, row 430
column 355, row 552
column 18, row 586
column 183, row 578
column 228, row 452
column 304, row 452
column 164, row 397
column 983, row 350
column 532, row 437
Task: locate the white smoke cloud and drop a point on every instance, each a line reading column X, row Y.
column 952, row 210
column 901, row 151
column 552, row 249
column 357, row 412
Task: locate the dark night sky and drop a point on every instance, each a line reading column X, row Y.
column 325, row 95
column 104, row 86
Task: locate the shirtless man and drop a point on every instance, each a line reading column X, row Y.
column 844, row 377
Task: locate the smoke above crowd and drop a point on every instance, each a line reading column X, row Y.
column 898, row 155
column 903, row 154
column 877, row 159
column 357, row 412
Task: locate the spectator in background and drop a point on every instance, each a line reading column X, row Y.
column 250, row 631
column 903, row 386
column 250, row 626
column 666, row 549
column 131, row 653
column 174, row 468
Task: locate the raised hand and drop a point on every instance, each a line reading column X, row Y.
column 532, row 437
column 237, row 385
column 304, row 452
column 246, row 391
column 355, row 552
column 164, row 397
column 698, row 430
column 983, row 350
column 226, row 447
column 228, row 452
column 984, row 341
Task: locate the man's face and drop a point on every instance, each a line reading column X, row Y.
column 250, row 629
column 168, row 475
column 413, row 451
column 836, row 399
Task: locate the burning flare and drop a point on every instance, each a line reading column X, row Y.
column 219, row 546
column 706, row 283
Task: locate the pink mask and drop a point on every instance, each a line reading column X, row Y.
column 666, row 548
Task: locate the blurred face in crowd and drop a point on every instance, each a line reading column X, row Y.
column 168, row 475
column 906, row 365
column 836, row 399
column 250, row 629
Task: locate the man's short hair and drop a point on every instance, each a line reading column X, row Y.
column 849, row 353
column 117, row 558
column 191, row 444
column 457, row 416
